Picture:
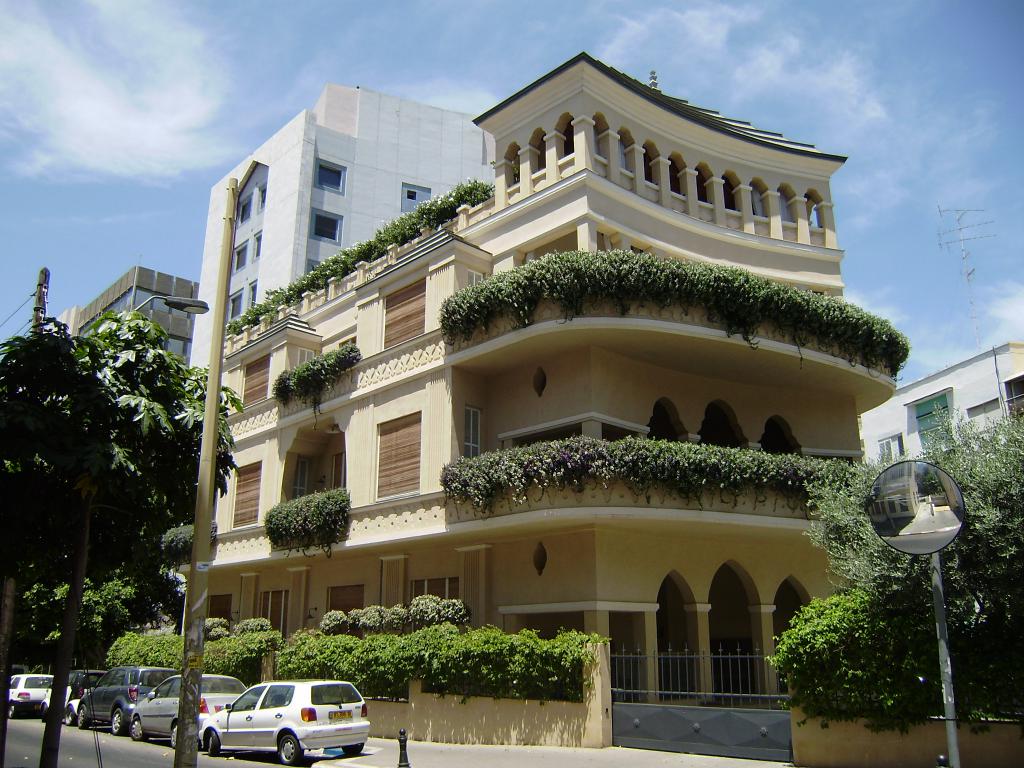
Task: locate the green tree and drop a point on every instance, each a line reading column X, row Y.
column 870, row 651
column 99, row 458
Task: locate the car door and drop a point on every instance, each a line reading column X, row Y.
column 157, row 713
column 103, row 694
column 268, row 716
column 237, row 730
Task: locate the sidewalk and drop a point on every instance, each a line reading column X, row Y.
column 383, row 753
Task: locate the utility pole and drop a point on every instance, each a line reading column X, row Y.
column 42, row 289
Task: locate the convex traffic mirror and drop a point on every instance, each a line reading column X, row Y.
column 916, row 507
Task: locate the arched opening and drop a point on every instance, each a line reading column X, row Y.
column 512, row 164
column 675, row 632
column 730, row 182
column 813, row 211
column 790, row 597
column 564, row 127
column 601, row 135
column 625, row 153
column 703, row 177
column 676, row 166
column 778, row 437
column 540, row 160
column 720, row 426
column 786, row 195
column 757, row 190
column 664, row 423
column 729, row 621
column 650, row 166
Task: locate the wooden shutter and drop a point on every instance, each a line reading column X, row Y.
column 399, row 465
column 405, row 313
column 345, row 598
column 247, row 494
column 257, row 381
column 219, row 607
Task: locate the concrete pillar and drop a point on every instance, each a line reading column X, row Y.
column 774, row 211
column 716, row 194
column 799, row 205
column 503, row 262
column 664, row 187
column 552, row 142
column 248, row 595
column 583, row 143
column 473, row 582
column 614, row 161
column 527, row 162
column 828, row 223
column 586, row 236
column 637, row 153
column 762, row 630
column 437, row 422
column 650, row 636
column 690, row 188
column 298, row 598
column 501, row 174
column 591, row 428
column 701, row 614
column 620, row 241
column 392, row 579
column 596, row 621
column 743, row 192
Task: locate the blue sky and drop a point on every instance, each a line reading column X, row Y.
column 117, row 117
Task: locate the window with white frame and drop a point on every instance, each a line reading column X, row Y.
column 241, row 256
column 235, row 305
column 252, row 293
column 890, row 448
column 245, row 209
column 257, row 246
column 444, row 586
column 930, row 414
column 300, row 486
column 326, row 226
column 471, row 440
column 261, row 198
column 330, row 176
column 475, row 277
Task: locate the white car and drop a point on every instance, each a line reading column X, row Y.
column 157, row 713
column 28, row 692
column 290, row 717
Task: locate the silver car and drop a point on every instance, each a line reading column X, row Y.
column 157, row 713
column 290, row 717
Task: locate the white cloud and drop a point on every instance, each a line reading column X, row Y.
column 127, row 89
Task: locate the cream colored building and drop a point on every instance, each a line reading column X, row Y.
column 588, row 159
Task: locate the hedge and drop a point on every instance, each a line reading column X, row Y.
column 430, row 214
column 479, row 662
column 687, row 469
column 240, row 656
column 308, row 382
column 314, row 521
column 741, row 301
column 423, row 611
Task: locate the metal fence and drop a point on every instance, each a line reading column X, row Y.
column 724, row 679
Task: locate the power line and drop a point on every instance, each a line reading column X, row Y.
column 26, row 301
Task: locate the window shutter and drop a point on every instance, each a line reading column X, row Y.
column 219, row 607
column 257, row 380
column 399, row 464
column 247, row 494
column 345, row 598
column 405, row 314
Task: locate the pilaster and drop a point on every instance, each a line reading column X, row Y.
column 440, row 285
column 746, row 207
column 763, row 632
column 701, row 612
column 392, row 579
column 586, row 236
column 828, row 223
column 637, row 153
column 614, row 161
column 248, row 592
column 474, row 583
column 298, row 597
column 501, row 174
column 664, row 182
column 772, row 199
column 438, row 448
column 583, row 143
column 803, row 232
column 690, row 186
column 527, row 162
column 716, row 194
column 552, row 142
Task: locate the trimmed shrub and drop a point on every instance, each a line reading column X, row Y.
column 314, row 521
column 176, row 544
column 377, row 618
column 216, row 629
column 308, row 382
column 428, row 610
column 334, row 623
column 738, row 300
column 258, row 624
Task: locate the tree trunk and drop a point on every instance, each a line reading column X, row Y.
column 48, row 755
column 6, row 635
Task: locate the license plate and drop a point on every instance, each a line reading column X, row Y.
column 340, row 715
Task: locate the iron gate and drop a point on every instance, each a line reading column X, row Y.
column 726, row 704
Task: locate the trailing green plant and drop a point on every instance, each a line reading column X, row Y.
column 688, row 470
column 334, row 623
column 216, row 628
column 249, row 626
column 309, row 381
column 428, row 610
column 239, row 655
column 314, row 521
column 430, row 214
column 740, row 301
column 477, row 662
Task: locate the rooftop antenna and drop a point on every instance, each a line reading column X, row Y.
column 959, row 234
column 652, row 80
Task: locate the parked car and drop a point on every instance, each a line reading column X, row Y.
column 157, row 713
column 289, row 718
column 27, row 694
column 116, row 694
column 79, row 681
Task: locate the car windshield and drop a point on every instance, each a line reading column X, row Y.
column 91, row 679
column 153, row 677
column 222, row 685
column 37, row 682
column 334, row 693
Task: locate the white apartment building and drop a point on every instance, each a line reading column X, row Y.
column 327, row 180
column 985, row 387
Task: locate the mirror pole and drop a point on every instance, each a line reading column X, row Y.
column 945, row 665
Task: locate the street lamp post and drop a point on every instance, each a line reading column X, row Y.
column 185, row 304
column 185, row 751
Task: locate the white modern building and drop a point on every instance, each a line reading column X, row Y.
column 985, row 387
column 327, row 180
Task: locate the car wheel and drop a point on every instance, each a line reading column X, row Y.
column 70, row 718
column 135, row 729
column 10, row 712
column 117, row 724
column 174, row 735
column 352, row 750
column 289, row 751
column 212, row 743
column 42, row 711
column 83, row 719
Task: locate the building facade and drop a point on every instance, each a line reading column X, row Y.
column 329, row 179
column 982, row 388
column 130, row 291
column 589, row 160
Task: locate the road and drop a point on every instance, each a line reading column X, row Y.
column 83, row 749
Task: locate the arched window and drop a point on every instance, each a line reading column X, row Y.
column 625, row 155
column 541, row 155
column 676, row 166
column 720, row 426
column 650, row 164
column 564, row 127
column 778, row 437
column 664, row 423
column 512, row 164
column 703, row 177
column 813, row 211
column 729, row 191
column 786, row 194
column 757, row 190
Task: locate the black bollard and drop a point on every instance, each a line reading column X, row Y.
column 403, row 756
column 942, row 762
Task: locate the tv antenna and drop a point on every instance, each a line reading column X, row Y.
column 959, row 234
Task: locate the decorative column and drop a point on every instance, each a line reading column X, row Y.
column 772, row 199
column 298, row 598
column 746, row 207
column 614, row 161
column 473, row 582
column 586, row 236
column 637, row 153
column 690, row 185
column 583, row 143
column 392, row 579
column 828, row 223
column 716, row 193
column 247, row 595
column 763, row 632
column 803, row 232
column 527, row 162
column 701, row 612
column 551, row 143
column 501, row 171
column 664, row 187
